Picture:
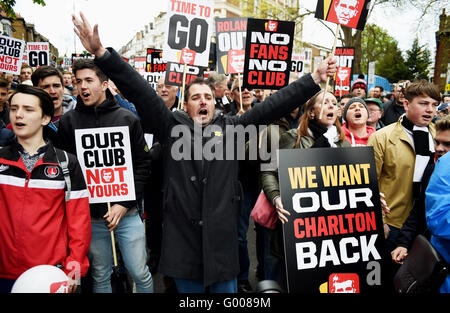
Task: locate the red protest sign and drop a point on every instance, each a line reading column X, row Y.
column 350, row 13
column 236, row 59
column 345, row 57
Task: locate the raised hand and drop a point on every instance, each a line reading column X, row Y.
column 326, row 69
column 89, row 37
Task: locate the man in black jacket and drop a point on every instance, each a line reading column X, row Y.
column 202, row 195
column 394, row 109
column 97, row 108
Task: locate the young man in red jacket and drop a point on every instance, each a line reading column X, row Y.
column 355, row 115
column 42, row 221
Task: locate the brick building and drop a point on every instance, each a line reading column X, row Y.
column 20, row 29
column 442, row 60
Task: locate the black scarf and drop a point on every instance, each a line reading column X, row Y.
column 421, row 137
column 318, row 130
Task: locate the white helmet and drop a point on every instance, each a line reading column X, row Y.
column 42, row 279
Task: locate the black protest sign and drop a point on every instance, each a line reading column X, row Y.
column 334, row 240
column 154, row 56
column 230, row 35
column 344, row 73
column 268, row 53
column 350, row 13
column 174, row 73
column 158, row 64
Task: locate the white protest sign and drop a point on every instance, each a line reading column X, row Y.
column 38, row 53
column 189, row 26
column 371, row 73
column 105, row 159
column 11, row 54
column 152, row 78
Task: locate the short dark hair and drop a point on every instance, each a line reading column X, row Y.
column 45, row 100
column 420, row 88
column 347, row 95
column 44, row 72
column 89, row 64
column 197, row 81
column 4, row 82
column 443, row 124
column 25, row 65
column 381, row 88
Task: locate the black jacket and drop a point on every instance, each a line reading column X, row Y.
column 392, row 113
column 416, row 222
column 201, row 197
column 107, row 114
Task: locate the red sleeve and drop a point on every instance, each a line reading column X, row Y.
column 78, row 216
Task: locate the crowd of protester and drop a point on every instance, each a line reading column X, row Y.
column 186, row 227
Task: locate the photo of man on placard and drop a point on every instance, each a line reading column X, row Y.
column 346, row 12
column 350, row 13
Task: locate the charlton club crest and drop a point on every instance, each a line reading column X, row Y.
column 51, row 171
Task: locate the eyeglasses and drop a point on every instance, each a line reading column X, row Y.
column 242, row 89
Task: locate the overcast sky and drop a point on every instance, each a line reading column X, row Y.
column 119, row 20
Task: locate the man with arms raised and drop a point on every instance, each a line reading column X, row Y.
column 199, row 245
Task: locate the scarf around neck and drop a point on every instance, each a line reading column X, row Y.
column 323, row 137
column 424, row 149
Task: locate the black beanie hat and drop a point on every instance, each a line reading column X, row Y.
column 349, row 102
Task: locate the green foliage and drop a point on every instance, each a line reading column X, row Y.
column 392, row 64
column 418, row 60
column 8, row 5
column 377, row 45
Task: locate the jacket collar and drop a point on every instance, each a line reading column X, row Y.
column 11, row 152
column 399, row 133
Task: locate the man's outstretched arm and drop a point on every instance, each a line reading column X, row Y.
column 150, row 107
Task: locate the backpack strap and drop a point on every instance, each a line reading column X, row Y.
column 63, row 161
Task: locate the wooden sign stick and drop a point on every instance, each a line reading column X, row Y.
column 338, row 28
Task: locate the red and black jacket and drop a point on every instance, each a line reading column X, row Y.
column 37, row 225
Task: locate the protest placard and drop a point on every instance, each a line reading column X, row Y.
column 38, row 54
column 152, row 78
column 350, row 13
column 334, row 239
column 105, row 159
column 155, row 62
column 344, row 73
column 77, row 56
column 140, row 63
column 268, row 53
column 189, row 25
column 11, row 54
column 301, row 62
column 230, row 36
column 174, row 73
